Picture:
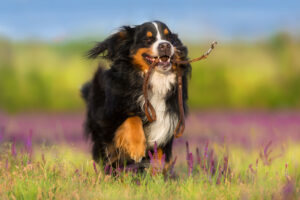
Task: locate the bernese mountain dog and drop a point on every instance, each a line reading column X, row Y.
column 116, row 121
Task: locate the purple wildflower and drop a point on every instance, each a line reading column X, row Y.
column 77, row 172
column 152, row 160
column 187, row 150
column 157, row 163
column 155, row 150
column 106, row 169
column 188, row 155
column 150, row 155
column 13, row 148
column 1, row 133
column 212, row 167
column 219, row 175
column 198, row 157
column 265, row 155
column 289, row 190
column 28, row 145
column 252, row 170
column 206, row 149
column 95, row 167
column 205, row 156
column 138, row 182
column 110, row 170
column 225, row 168
column 172, row 166
column 266, row 152
column 190, row 164
column 119, row 171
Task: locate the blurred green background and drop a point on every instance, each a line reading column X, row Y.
column 245, row 71
column 47, row 76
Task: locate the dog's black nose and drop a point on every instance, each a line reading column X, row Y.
column 164, row 48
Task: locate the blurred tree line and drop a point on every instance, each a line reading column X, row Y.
column 47, row 76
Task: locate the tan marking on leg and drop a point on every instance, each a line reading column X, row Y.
column 130, row 138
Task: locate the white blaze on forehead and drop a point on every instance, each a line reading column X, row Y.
column 158, row 41
column 158, row 36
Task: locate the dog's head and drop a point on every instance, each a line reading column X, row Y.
column 141, row 45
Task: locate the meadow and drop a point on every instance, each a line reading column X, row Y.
column 237, row 155
column 241, row 141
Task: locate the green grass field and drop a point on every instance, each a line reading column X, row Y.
column 60, row 172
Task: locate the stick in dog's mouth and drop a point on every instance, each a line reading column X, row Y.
column 204, row 56
column 162, row 61
column 165, row 59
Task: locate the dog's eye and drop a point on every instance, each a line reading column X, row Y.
column 173, row 39
column 170, row 38
column 148, row 40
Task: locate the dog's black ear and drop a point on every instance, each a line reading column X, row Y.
column 114, row 45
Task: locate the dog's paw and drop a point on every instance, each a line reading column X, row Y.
column 137, row 151
column 130, row 138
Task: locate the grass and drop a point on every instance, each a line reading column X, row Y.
column 62, row 172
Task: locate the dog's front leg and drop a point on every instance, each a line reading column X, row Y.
column 130, row 138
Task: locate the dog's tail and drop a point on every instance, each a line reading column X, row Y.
column 85, row 91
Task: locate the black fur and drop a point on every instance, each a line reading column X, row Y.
column 112, row 94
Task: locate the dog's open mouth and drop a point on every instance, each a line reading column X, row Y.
column 163, row 62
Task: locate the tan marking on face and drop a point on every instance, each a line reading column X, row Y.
column 166, row 32
column 130, row 138
column 149, row 34
column 139, row 60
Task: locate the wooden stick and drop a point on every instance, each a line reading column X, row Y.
column 148, row 108
column 178, row 132
column 204, row 56
column 181, row 122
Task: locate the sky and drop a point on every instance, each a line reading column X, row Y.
column 194, row 19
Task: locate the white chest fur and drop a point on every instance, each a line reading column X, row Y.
column 162, row 129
